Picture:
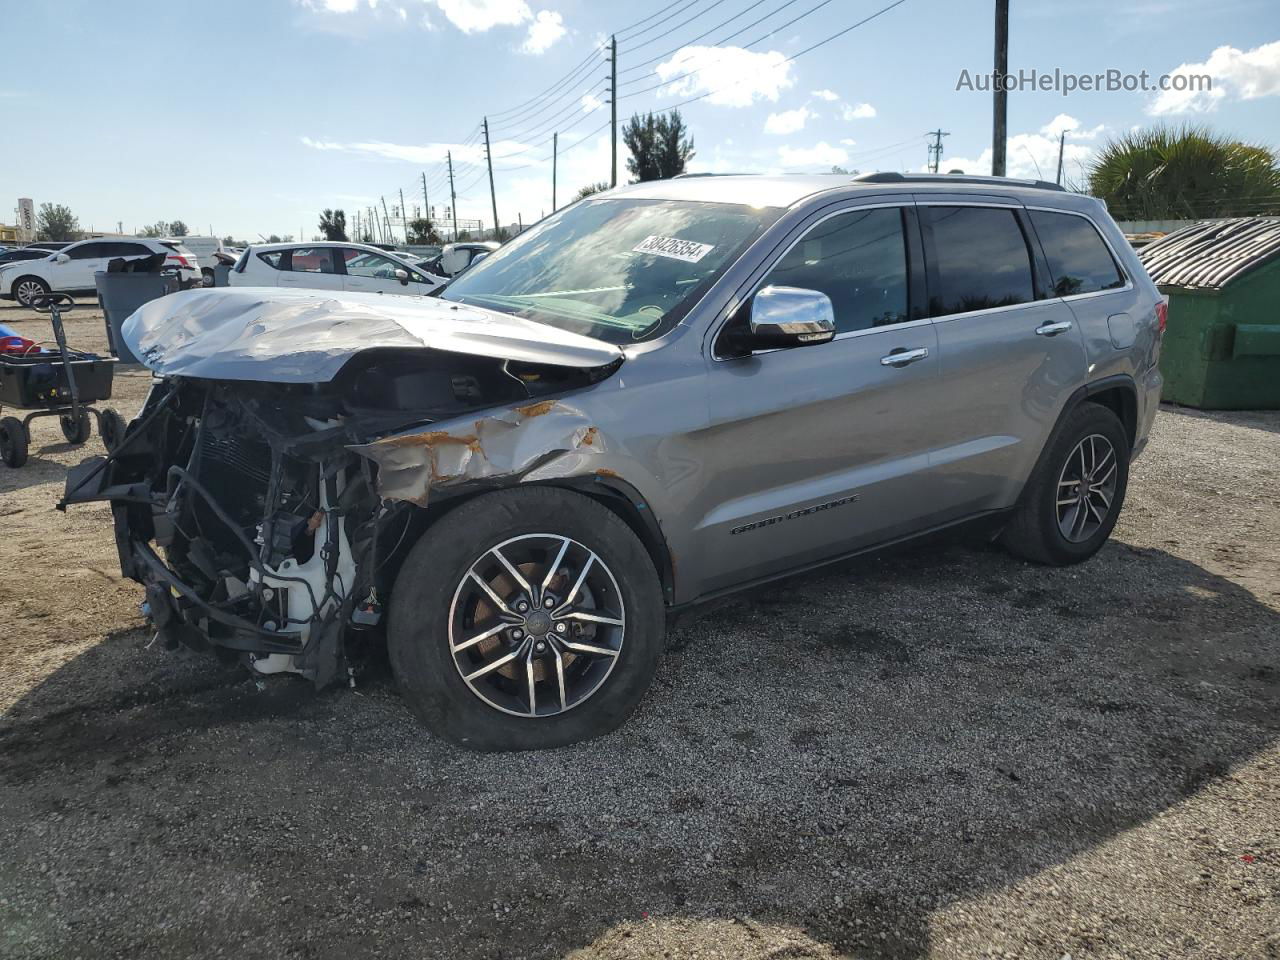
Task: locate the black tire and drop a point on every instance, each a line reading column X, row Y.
column 418, row 628
column 22, row 291
column 76, row 429
column 111, row 427
column 206, row 277
column 13, row 442
column 1034, row 533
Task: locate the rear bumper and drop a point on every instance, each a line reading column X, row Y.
column 1148, row 404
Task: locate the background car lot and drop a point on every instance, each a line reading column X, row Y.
column 925, row 753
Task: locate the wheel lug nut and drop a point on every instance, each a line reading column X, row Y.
column 549, row 602
column 522, row 606
column 517, row 633
column 540, row 646
column 561, row 628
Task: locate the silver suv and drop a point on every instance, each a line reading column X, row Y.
column 652, row 397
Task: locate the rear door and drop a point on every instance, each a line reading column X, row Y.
column 311, row 267
column 1010, row 352
column 816, row 451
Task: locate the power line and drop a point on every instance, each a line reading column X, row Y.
column 651, row 16
column 668, row 32
column 704, row 35
column 567, row 78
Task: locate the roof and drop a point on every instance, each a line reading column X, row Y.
column 761, row 190
column 1212, row 254
column 310, row 244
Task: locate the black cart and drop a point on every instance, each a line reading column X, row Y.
column 64, row 384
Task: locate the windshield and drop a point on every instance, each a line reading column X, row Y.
column 618, row 270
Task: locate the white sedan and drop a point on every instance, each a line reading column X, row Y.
column 331, row 265
column 71, row 269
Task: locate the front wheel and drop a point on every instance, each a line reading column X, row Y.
column 1073, row 500
column 13, row 442
column 75, row 429
column 27, row 290
column 526, row 619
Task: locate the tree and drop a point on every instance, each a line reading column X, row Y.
column 230, row 241
column 157, row 229
column 273, row 238
column 1187, row 172
column 333, row 224
column 659, row 146
column 177, row 228
column 591, row 188
column 56, row 222
column 464, row 235
column 422, row 230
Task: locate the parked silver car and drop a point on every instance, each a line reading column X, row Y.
column 654, row 396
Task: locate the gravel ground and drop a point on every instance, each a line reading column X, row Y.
column 938, row 752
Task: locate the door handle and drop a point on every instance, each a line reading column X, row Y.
column 901, row 357
column 1053, row 329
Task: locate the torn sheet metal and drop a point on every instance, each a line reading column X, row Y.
column 306, row 336
column 505, row 443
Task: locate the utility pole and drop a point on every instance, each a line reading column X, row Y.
column 999, row 77
column 386, row 219
column 935, row 148
column 493, row 195
column 404, row 216
column 613, row 110
column 555, row 145
column 426, row 203
column 453, row 197
column 1062, row 143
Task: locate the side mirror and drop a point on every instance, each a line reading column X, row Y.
column 403, row 276
column 790, row 317
column 62, row 258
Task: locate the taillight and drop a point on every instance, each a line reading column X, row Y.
column 1162, row 315
column 181, row 259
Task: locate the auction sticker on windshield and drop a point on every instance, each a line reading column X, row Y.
column 686, row 250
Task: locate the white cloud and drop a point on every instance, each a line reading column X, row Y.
column 590, row 102
column 1065, row 123
column 828, row 95
column 860, row 111
column 477, row 16
column 733, row 77
column 1032, row 156
column 788, row 121
column 847, row 142
column 1242, row 75
column 413, row 153
column 547, row 27
column 821, row 154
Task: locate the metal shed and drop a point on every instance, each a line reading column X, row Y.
column 1222, row 346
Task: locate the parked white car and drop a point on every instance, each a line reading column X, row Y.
column 331, row 265
column 206, row 251
column 71, row 269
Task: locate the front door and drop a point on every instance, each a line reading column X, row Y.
column 374, row 273
column 816, row 451
column 78, row 272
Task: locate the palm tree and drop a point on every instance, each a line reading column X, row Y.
column 1187, row 172
column 333, row 224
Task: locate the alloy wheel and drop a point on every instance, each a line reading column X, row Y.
column 27, row 291
column 536, row 625
column 1086, row 488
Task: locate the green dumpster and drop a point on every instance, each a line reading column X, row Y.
column 1221, row 348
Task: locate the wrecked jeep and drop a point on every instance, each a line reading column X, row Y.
column 609, row 419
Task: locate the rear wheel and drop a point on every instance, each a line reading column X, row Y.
column 526, row 619
column 1072, row 502
column 13, row 442
column 75, row 429
column 206, row 277
column 26, row 290
column 111, row 428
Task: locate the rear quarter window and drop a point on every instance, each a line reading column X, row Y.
column 273, row 259
column 1078, row 258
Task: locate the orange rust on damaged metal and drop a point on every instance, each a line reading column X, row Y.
column 589, row 437
column 431, row 439
column 606, row 472
column 536, row 409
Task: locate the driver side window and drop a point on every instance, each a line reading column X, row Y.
column 859, row 260
column 360, row 263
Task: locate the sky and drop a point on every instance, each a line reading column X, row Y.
column 247, row 117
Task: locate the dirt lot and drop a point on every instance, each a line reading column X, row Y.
column 942, row 752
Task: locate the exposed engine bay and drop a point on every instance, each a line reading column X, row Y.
column 253, row 511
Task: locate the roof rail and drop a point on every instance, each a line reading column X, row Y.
column 891, row 176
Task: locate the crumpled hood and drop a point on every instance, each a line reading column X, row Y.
column 306, row 336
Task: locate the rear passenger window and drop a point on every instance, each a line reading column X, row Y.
column 1079, row 261
column 313, row 260
column 981, row 258
column 271, row 259
column 859, row 260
